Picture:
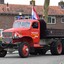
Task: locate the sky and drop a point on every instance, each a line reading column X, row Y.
column 38, row 2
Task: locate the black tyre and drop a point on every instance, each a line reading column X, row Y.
column 3, row 53
column 63, row 46
column 23, row 50
column 56, row 48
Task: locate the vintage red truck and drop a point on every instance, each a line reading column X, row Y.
column 31, row 37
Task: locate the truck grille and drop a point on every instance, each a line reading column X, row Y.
column 7, row 40
column 7, row 34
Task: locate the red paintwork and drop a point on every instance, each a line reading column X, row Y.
column 34, row 34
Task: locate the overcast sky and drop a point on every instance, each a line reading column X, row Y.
column 38, row 2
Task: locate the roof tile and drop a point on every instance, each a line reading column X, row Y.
column 26, row 9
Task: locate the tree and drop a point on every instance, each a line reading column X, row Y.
column 46, row 8
column 61, row 3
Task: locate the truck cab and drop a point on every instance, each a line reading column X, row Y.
column 21, row 30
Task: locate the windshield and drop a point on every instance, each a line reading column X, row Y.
column 21, row 25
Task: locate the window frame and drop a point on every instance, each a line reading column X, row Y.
column 51, row 20
column 1, row 32
column 61, row 20
column 33, row 26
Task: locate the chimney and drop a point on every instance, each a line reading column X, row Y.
column 1, row 1
column 7, row 7
column 61, row 4
column 7, row 4
column 32, row 2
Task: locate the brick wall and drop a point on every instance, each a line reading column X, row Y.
column 58, row 24
column 6, row 21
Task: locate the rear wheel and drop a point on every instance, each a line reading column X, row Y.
column 56, row 48
column 3, row 53
column 23, row 50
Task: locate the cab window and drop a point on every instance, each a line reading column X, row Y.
column 35, row 25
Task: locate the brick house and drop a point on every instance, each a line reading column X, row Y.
column 8, row 13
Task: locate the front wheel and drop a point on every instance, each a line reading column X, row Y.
column 56, row 48
column 3, row 53
column 23, row 50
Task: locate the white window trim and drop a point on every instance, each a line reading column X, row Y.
column 51, row 20
column 1, row 32
column 61, row 20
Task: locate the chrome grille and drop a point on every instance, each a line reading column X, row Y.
column 7, row 34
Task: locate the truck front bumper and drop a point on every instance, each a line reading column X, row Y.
column 8, row 43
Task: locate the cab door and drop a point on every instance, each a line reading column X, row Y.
column 35, row 32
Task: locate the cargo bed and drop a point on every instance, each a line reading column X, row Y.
column 55, row 33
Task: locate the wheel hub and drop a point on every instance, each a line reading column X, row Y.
column 25, row 50
column 59, row 48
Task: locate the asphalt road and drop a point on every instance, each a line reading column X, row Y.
column 44, row 59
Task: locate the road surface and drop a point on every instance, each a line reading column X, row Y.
column 44, row 59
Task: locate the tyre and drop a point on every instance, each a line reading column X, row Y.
column 56, row 48
column 63, row 46
column 23, row 50
column 3, row 53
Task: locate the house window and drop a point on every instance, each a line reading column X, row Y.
column 51, row 20
column 1, row 30
column 62, row 20
column 21, row 17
